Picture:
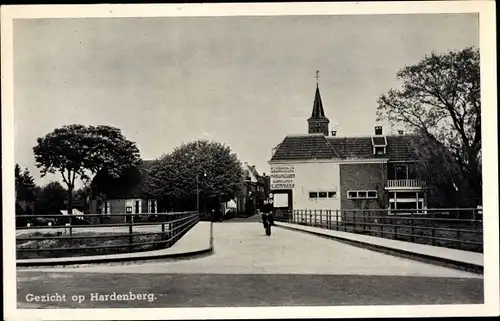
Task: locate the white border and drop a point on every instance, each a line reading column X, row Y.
column 486, row 9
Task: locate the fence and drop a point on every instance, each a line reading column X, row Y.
column 452, row 228
column 65, row 238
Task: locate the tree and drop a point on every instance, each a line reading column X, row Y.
column 52, row 199
column 25, row 185
column 77, row 151
column 440, row 101
column 173, row 179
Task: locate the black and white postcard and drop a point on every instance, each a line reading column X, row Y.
column 272, row 160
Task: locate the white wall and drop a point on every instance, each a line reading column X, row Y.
column 314, row 177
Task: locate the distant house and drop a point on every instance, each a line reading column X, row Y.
column 125, row 194
column 253, row 190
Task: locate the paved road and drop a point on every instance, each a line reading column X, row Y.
column 250, row 268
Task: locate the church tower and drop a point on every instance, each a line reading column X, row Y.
column 318, row 122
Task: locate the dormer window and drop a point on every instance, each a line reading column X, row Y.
column 379, row 144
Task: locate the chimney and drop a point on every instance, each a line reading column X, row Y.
column 378, row 130
column 400, row 132
column 334, row 132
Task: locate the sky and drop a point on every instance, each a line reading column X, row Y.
column 246, row 82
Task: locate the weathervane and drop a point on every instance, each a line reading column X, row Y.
column 317, row 78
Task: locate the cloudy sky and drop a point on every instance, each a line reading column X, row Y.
column 243, row 81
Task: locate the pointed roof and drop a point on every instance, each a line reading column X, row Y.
column 318, row 112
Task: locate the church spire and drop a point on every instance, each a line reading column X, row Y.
column 318, row 122
column 318, row 110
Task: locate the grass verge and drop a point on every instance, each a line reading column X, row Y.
column 46, row 248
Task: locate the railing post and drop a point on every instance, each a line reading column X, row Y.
column 70, row 233
column 130, row 239
column 364, row 222
column 354, row 217
column 412, row 227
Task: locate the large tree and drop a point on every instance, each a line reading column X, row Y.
column 25, row 185
column 208, row 169
column 52, row 199
column 77, row 151
column 440, row 101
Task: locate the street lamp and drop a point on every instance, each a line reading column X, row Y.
column 193, row 157
column 198, row 190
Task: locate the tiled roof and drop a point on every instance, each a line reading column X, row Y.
column 308, row 147
column 312, row 146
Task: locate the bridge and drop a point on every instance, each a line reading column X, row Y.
column 248, row 268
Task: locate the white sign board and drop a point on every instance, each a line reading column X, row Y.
column 282, row 177
column 280, row 200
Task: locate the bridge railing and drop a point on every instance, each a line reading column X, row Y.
column 459, row 228
column 70, row 235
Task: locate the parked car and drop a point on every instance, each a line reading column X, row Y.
column 35, row 221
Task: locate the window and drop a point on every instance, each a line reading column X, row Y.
column 379, row 150
column 400, row 172
column 152, row 206
column 352, row 194
column 330, row 194
column 133, row 206
column 106, row 208
column 362, row 194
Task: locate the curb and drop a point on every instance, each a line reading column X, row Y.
column 83, row 260
column 458, row 265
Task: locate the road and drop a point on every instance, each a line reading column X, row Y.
column 249, row 268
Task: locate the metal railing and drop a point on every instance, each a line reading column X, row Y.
column 458, row 228
column 65, row 238
column 394, row 183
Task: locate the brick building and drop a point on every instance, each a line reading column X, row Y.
column 321, row 170
column 125, row 194
column 254, row 190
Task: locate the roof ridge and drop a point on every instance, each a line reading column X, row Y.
column 304, row 135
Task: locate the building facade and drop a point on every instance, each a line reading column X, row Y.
column 124, row 195
column 323, row 171
column 254, row 187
